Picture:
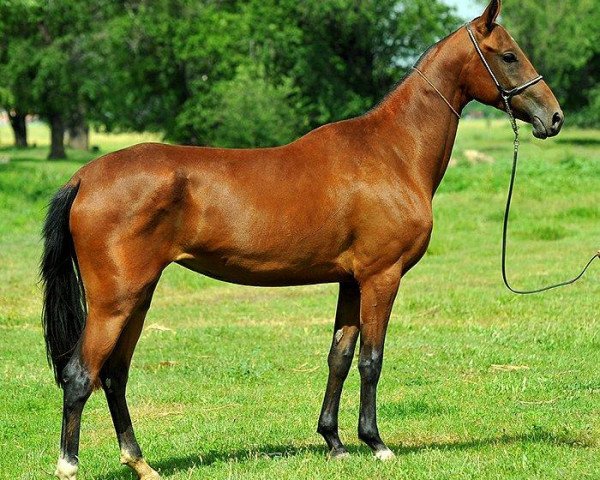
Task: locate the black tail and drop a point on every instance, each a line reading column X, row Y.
column 64, row 311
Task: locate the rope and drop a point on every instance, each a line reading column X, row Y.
column 513, row 175
column 438, row 92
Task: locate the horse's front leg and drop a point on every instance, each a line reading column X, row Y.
column 377, row 297
column 345, row 334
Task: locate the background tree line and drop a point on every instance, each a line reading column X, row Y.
column 248, row 72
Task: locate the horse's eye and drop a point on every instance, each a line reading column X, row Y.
column 509, row 57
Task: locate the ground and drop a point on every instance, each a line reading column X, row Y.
column 227, row 381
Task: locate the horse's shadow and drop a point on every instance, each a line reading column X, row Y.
column 170, row 466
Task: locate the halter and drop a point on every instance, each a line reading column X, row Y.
column 504, row 93
column 507, row 95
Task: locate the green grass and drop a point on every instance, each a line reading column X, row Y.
column 477, row 383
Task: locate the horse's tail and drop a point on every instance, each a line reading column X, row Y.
column 64, row 309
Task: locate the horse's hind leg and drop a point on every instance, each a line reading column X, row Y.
column 108, row 315
column 114, row 377
column 347, row 322
column 77, row 387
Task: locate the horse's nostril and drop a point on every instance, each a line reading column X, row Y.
column 557, row 120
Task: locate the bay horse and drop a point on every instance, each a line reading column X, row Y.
column 350, row 203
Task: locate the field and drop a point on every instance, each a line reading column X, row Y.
column 227, row 381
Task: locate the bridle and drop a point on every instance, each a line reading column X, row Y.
column 507, row 95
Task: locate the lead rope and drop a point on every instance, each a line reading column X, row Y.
column 515, row 128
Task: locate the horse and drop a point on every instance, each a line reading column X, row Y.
column 348, row 203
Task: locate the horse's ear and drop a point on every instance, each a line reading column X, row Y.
column 489, row 16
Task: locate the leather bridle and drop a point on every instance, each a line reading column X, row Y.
column 506, row 94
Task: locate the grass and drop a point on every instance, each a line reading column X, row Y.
column 227, row 381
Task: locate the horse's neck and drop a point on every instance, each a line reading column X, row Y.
column 422, row 127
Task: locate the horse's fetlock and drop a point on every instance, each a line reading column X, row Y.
column 127, row 458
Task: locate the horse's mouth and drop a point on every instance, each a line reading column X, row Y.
column 539, row 129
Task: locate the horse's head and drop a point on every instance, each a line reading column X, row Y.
column 535, row 104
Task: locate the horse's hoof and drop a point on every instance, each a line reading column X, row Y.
column 65, row 470
column 139, row 466
column 384, row 455
column 338, row 454
column 145, row 472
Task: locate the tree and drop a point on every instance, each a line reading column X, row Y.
column 348, row 54
column 17, row 117
column 43, row 62
column 16, row 69
column 232, row 72
column 61, row 67
column 174, row 63
column 251, row 112
column 144, row 83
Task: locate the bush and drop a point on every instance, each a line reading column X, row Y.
column 246, row 111
column 589, row 116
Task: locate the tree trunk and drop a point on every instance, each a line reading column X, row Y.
column 17, row 122
column 78, row 136
column 57, row 137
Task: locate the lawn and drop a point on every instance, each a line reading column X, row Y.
column 227, row 381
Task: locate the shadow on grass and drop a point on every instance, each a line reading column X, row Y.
column 582, row 141
column 170, row 466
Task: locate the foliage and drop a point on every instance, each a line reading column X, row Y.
column 43, row 59
column 248, row 111
column 176, row 66
column 168, row 65
column 28, row 70
column 16, row 65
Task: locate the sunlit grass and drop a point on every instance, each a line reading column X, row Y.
column 227, row 380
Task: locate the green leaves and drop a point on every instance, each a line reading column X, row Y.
column 252, row 112
column 235, row 73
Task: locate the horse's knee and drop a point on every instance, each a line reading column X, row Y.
column 370, row 367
